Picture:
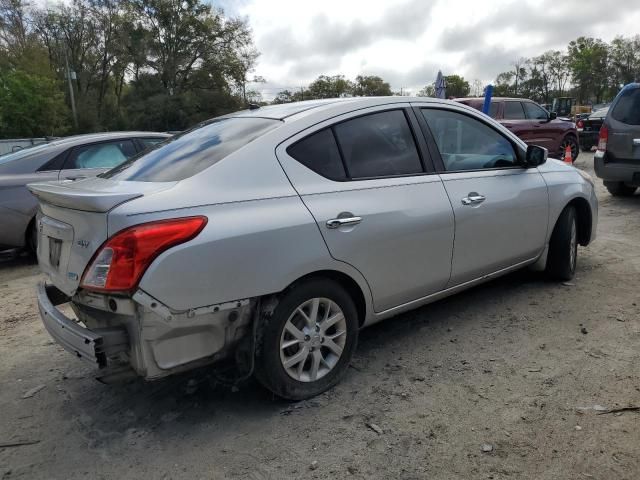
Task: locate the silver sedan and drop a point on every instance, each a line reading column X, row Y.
column 272, row 236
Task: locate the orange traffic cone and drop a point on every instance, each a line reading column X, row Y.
column 567, row 155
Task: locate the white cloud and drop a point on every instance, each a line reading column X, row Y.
column 407, row 41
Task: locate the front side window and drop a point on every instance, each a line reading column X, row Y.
column 101, row 155
column 191, row 152
column 627, row 108
column 535, row 112
column 513, row 111
column 468, row 144
column 378, row 145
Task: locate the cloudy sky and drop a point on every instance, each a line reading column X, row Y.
column 407, row 41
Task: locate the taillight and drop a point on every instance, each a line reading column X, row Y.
column 121, row 261
column 602, row 140
column 580, row 124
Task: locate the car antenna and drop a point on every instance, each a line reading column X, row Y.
column 254, row 106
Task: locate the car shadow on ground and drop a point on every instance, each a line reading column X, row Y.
column 16, row 258
column 198, row 398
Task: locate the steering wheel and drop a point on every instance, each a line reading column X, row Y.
column 498, row 161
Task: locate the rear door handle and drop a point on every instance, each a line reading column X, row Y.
column 342, row 222
column 75, row 177
column 473, row 199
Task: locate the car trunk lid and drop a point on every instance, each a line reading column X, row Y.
column 73, row 223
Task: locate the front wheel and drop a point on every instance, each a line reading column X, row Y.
column 307, row 343
column 563, row 246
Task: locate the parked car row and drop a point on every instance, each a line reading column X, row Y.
column 273, row 235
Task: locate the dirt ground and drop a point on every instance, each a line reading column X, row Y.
column 519, row 367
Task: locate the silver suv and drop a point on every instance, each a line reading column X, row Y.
column 617, row 160
column 273, row 235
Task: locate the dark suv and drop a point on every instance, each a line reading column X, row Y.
column 617, row 160
column 532, row 123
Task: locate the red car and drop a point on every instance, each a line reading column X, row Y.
column 532, row 123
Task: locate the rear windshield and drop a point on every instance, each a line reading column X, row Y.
column 191, row 152
column 627, row 109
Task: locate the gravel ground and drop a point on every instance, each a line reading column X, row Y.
column 507, row 380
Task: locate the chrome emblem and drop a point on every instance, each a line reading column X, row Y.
column 83, row 243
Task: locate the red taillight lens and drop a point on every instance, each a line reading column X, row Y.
column 604, row 137
column 122, row 260
column 580, row 124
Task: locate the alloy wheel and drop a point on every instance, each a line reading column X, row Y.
column 313, row 339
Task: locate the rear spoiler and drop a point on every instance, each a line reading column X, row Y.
column 76, row 196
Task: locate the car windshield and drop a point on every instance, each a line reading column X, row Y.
column 184, row 155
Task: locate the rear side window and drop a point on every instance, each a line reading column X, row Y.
column 627, row 108
column 378, row 145
column 535, row 112
column 513, row 111
column 100, row 155
column 191, row 152
column 320, row 153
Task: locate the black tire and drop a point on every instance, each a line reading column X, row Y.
column 563, row 247
column 619, row 189
column 269, row 368
column 572, row 143
column 31, row 240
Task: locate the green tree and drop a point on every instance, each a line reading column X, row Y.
column 370, row 86
column 329, row 87
column 427, row 91
column 457, row 86
column 588, row 63
column 31, row 105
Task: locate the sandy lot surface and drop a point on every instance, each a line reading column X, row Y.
column 519, row 367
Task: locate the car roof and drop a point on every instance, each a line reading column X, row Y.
column 293, row 110
column 493, row 99
column 96, row 137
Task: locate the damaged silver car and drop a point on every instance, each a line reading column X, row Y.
column 272, row 236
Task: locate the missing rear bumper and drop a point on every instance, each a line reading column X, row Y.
column 95, row 346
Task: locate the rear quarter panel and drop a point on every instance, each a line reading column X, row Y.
column 247, row 249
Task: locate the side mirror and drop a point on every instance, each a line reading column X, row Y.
column 535, row 156
column 553, row 115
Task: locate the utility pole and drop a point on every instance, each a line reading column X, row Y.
column 302, row 92
column 71, row 95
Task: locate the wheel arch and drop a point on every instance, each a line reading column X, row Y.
column 345, row 281
column 584, row 217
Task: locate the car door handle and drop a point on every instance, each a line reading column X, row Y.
column 341, row 222
column 473, row 199
column 636, row 141
column 75, row 177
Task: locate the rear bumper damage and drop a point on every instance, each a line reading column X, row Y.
column 94, row 346
column 140, row 336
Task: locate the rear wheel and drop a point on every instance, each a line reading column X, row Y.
column 619, row 189
column 563, row 246
column 31, row 240
column 571, row 142
column 308, row 342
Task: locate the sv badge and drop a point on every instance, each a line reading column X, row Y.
column 83, row 243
